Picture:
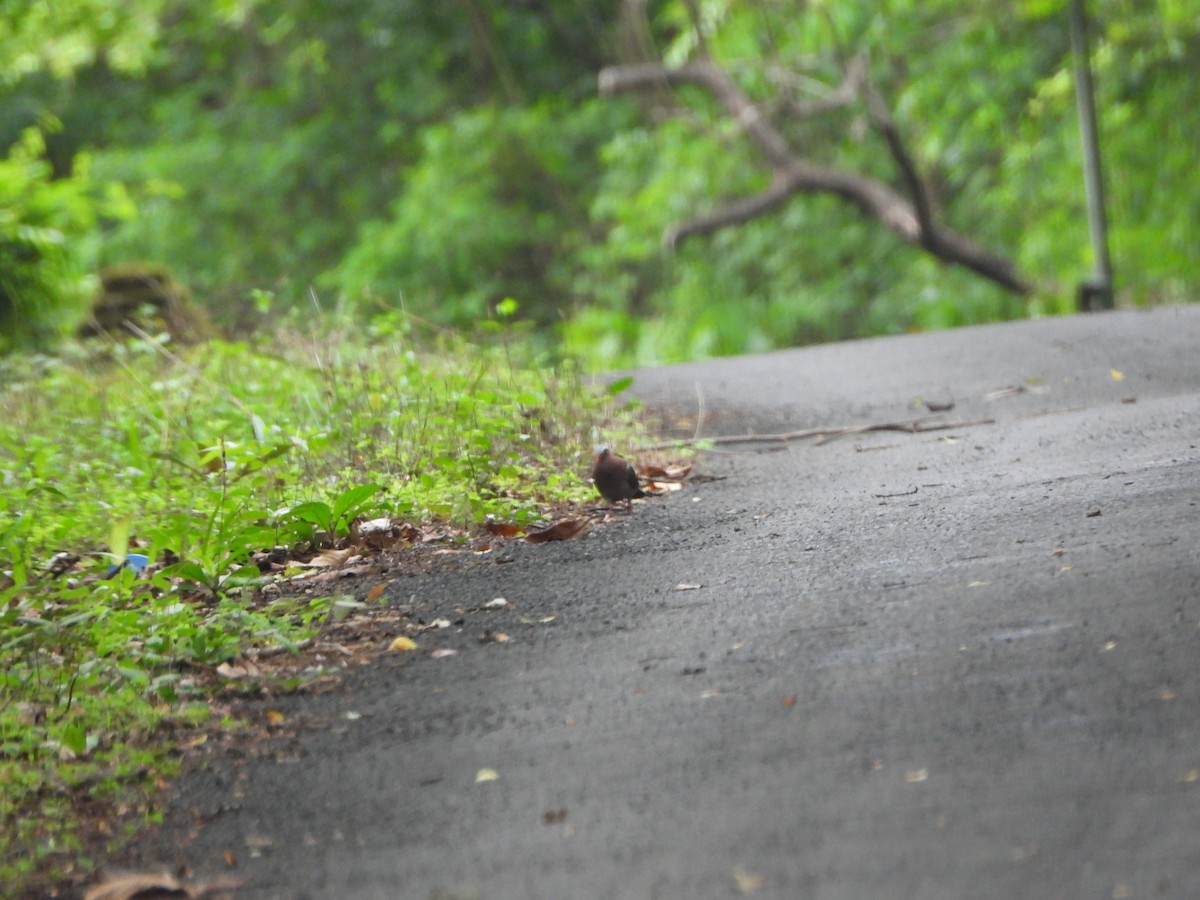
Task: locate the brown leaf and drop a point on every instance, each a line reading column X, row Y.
column 158, row 886
column 661, row 487
column 386, row 534
column 376, row 592
column 330, row 558
column 504, row 529
column 139, row 885
column 790, row 700
column 746, row 882
column 562, row 530
column 238, row 668
column 670, row 473
column 554, row 816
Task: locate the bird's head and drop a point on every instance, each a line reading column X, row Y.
column 602, row 450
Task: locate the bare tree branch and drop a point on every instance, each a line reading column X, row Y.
column 739, row 107
column 847, row 92
column 881, row 119
column 912, row 221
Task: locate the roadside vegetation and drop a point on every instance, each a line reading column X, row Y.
column 219, row 468
column 652, row 181
column 581, row 156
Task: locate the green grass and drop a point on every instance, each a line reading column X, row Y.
column 197, row 461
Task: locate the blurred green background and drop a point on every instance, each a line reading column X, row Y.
column 437, row 158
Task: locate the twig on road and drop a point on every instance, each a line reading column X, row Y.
column 828, row 433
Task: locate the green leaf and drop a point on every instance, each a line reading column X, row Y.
column 619, row 385
column 241, row 577
column 118, row 539
column 188, row 571
column 351, row 500
column 74, row 738
column 316, row 512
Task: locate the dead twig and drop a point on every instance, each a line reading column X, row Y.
column 828, row 433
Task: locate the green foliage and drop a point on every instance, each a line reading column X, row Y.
column 63, row 37
column 408, row 154
column 47, row 243
column 197, row 463
column 493, row 208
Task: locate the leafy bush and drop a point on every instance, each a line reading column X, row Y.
column 494, row 207
column 48, row 233
column 194, row 463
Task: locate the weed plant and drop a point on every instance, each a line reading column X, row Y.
column 193, row 459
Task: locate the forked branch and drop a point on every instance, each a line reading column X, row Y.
column 911, row 218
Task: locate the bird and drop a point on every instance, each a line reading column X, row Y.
column 615, row 478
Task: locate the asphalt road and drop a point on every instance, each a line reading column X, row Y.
column 951, row 664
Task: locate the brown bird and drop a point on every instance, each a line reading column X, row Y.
column 615, row 478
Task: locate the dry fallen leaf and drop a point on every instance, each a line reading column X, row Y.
column 683, row 586
column 788, row 701
column 915, row 776
column 442, row 653
column 562, row 530
column 497, row 603
column 376, row 592
column 150, row 886
column 671, row 473
column 1116, row 374
column 275, row 717
column 504, row 529
column 486, row 775
column 330, row 558
column 554, row 816
column 661, row 487
column 239, row 668
column 746, row 882
column 385, row 533
column 1166, row 694
column 129, row 886
column 403, row 643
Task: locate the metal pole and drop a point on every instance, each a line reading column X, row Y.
column 1097, row 291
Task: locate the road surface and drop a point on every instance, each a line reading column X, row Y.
column 958, row 663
